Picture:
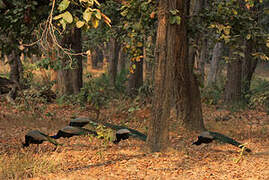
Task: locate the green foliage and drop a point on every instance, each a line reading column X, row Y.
column 17, row 21
column 234, row 22
column 83, row 14
column 259, row 94
column 212, row 95
column 174, row 17
column 97, row 91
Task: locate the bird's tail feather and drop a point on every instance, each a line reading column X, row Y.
column 228, row 140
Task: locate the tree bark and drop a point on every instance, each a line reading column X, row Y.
column 215, row 65
column 234, row 80
column 135, row 80
column 187, row 93
column 158, row 126
column 248, row 67
column 115, row 47
column 16, row 68
column 70, row 80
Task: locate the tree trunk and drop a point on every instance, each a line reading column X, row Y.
column 122, row 60
column 249, row 66
column 215, row 65
column 187, row 93
column 135, row 80
column 165, row 49
column 234, row 80
column 16, row 68
column 70, row 80
column 115, row 47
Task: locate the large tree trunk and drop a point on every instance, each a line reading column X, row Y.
column 215, row 65
column 165, row 49
column 70, row 80
column 187, row 93
column 234, row 80
column 248, row 67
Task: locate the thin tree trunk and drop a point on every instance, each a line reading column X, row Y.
column 16, row 69
column 122, row 60
column 248, row 67
column 114, row 61
column 234, row 80
column 70, row 80
column 215, row 65
column 135, row 80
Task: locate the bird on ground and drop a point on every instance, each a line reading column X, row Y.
column 205, row 138
column 70, row 131
column 37, row 137
column 208, row 136
column 79, row 122
column 122, row 134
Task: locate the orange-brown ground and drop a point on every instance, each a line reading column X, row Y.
column 82, row 158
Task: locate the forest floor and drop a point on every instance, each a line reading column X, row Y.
column 90, row 158
column 86, row 158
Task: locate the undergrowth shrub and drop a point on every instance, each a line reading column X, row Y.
column 97, row 91
column 259, row 93
column 212, row 94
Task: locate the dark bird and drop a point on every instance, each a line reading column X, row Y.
column 208, row 136
column 134, row 133
column 122, row 134
column 70, row 131
column 79, row 122
column 37, row 137
column 205, row 138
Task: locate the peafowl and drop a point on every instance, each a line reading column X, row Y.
column 122, row 134
column 208, row 136
column 37, row 137
column 79, row 122
column 70, row 131
column 134, row 133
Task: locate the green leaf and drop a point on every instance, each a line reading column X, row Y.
column 79, row 24
column 63, row 5
column 67, row 16
column 124, row 13
column 87, row 15
column 98, row 15
column 174, row 12
column 172, row 19
column 58, row 17
column 63, row 23
column 178, row 20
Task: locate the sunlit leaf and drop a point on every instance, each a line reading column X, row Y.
column 79, row 24
column 67, row 16
column 95, row 22
column 87, row 15
column 98, row 14
column 58, row 16
column 63, row 23
column 139, row 44
column 63, row 5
